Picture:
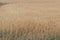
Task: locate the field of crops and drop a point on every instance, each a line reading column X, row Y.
column 29, row 19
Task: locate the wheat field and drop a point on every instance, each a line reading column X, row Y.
column 30, row 20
